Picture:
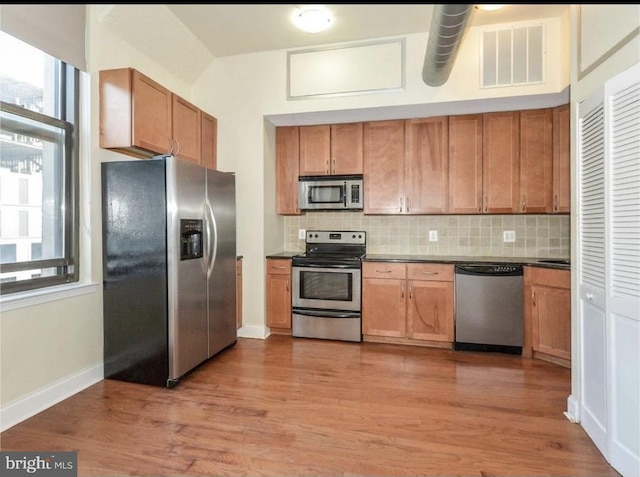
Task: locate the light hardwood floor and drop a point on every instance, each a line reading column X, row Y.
column 297, row 407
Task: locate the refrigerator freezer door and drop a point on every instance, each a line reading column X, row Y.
column 221, row 260
column 187, row 284
column 134, row 223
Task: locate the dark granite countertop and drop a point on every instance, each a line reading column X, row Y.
column 539, row 262
column 283, row 255
column 558, row 263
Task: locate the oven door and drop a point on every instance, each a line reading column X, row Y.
column 326, row 287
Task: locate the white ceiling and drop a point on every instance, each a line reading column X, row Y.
column 185, row 38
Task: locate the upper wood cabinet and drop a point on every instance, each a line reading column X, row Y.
column 346, row 148
column 142, row 118
column 187, row 130
column 536, row 161
column 209, row 135
column 135, row 113
column 427, row 166
column 287, row 170
column 315, row 150
column 501, row 162
column 384, row 167
column 331, row 149
column 561, row 159
column 406, row 166
column 465, row 164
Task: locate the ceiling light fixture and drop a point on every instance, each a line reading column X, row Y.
column 488, row 8
column 312, row 19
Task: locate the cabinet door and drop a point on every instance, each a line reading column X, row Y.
column 279, row 301
column 287, row 170
column 315, row 150
column 209, row 135
column 187, row 130
column 151, row 111
column 551, row 321
column 346, row 148
column 561, row 159
column 430, row 310
column 384, row 167
column 465, row 164
column 427, row 166
column 383, row 307
column 501, row 162
column 536, row 161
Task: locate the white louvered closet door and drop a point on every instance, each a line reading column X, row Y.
column 623, row 278
column 591, row 258
column 609, row 269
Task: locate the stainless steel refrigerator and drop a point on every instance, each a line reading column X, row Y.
column 169, row 264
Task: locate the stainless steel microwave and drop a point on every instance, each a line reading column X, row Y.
column 330, row 192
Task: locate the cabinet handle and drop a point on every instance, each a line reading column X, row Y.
column 431, row 273
column 479, row 203
column 334, row 165
column 589, row 296
column 407, row 204
column 486, row 203
column 524, row 203
column 555, row 203
column 383, row 271
column 402, row 289
column 411, row 291
column 287, row 285
column 279, row 268
column 533, row 297
column 327, row 166
column 401, row 205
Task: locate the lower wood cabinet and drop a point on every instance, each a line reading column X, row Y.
column 239, row 292
column 279, row 295
column 547, row 303
column 408, row 301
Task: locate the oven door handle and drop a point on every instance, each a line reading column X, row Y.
column 327, row 313
column 325, row 265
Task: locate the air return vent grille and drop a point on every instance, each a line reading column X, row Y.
column 512, row 56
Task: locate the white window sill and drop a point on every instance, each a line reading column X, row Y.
column 38, row 297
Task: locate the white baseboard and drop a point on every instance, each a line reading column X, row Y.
column 47, row 397
column 573, row 409
column 259, row 332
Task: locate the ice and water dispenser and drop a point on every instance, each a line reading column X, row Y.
column 191, row 239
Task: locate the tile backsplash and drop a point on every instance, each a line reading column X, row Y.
column 536, row 236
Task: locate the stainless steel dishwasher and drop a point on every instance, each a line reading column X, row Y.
column 489, row 308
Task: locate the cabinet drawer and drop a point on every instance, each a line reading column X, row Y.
column 383, row 270
column 439, row 272
column 547, row 276
column 279, row 267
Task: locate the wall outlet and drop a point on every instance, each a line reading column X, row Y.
column 509, row 236
column 433, row 235
column 302, row 233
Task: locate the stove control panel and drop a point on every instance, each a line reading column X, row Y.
column 338, row 237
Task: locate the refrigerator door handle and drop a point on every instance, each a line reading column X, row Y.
column 212, row 240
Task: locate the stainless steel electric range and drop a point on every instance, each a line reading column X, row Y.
column 327, row 283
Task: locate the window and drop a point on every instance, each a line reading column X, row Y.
column 38, row 168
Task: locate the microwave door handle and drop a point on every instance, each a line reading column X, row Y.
column 344, row 195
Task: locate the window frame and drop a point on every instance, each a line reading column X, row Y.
column 68, row 266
